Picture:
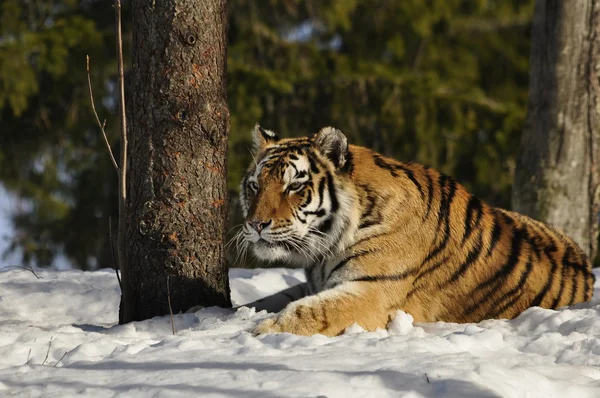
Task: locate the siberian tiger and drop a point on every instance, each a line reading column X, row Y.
column 376, row 236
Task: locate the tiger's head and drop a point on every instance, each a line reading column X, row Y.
column 294, row 204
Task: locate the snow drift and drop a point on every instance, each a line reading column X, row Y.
column 58, row 338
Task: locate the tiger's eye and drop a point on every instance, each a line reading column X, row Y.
column 253, row 186
column 295, row 186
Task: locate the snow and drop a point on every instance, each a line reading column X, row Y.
column 58, row 338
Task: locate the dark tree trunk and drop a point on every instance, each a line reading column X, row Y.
column 178, row 141
column 557, row 176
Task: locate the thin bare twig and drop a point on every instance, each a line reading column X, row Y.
column 28, row 357
column 170, row 308
column 48, row 352
column 101, row 125
column 126, row 309
column 22, row 268
column 112, row 251
column 60, row 359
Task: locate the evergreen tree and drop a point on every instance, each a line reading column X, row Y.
column 441, row 82
column 51, row 154
column 177, row 189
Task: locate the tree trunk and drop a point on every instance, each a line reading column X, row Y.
column 557, row 178
column 178, row 141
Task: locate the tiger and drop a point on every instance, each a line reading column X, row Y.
column 375, row 236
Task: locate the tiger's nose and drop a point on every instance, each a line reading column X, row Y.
column 259, row 225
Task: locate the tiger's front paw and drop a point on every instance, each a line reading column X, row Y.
column 267, row 326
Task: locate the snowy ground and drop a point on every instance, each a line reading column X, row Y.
column 58, row 339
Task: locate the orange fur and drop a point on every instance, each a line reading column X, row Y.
column 412, row 240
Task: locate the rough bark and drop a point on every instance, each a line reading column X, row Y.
column 178, row 141
column 557, row 177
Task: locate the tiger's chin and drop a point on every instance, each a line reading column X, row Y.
column 280, row 252
column 271, row 251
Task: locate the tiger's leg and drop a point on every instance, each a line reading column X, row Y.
column 331, row 311
column 277, row 302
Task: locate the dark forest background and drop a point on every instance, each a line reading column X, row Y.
column 441, row 82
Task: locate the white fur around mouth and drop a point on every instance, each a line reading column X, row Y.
column 270, row 251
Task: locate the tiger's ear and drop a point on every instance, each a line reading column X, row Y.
column 263, row 138
column 333, row 144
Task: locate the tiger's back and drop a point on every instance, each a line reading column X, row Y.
column 472, row 261
column 410, row 239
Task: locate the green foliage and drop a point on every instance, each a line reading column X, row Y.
column 51, row 155
column 442, row 82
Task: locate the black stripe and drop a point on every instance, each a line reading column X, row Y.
column 533, row 240
column 513, row 258
column 313, row 164
column 371, row 237
column 548, row 253
column 297, row 215
column 341, row 264
column 411, row 176
column 348, row 167
column 562, row 275
column 321, row 192
column 447, row 198
column 386, row 164
column 432, row 268
column 566, row 261
column 382, row 163
column 308, row 199
column 345, row 261
column 370, row 223
column 512, row 292
column 508, row 220
column 471, row 258
column 500, row 311
column 500, row 275
column 496, row 233
column 577, row 263
column 285, row 149
column 575, row 288
column 589, row 287
column 379, row 278
column 472, row 217
column 332, row 193
column 443, row 215
column 319, row 213
column 586, row 288
column 366, row 219
column 429, row 192
column 369, row 208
